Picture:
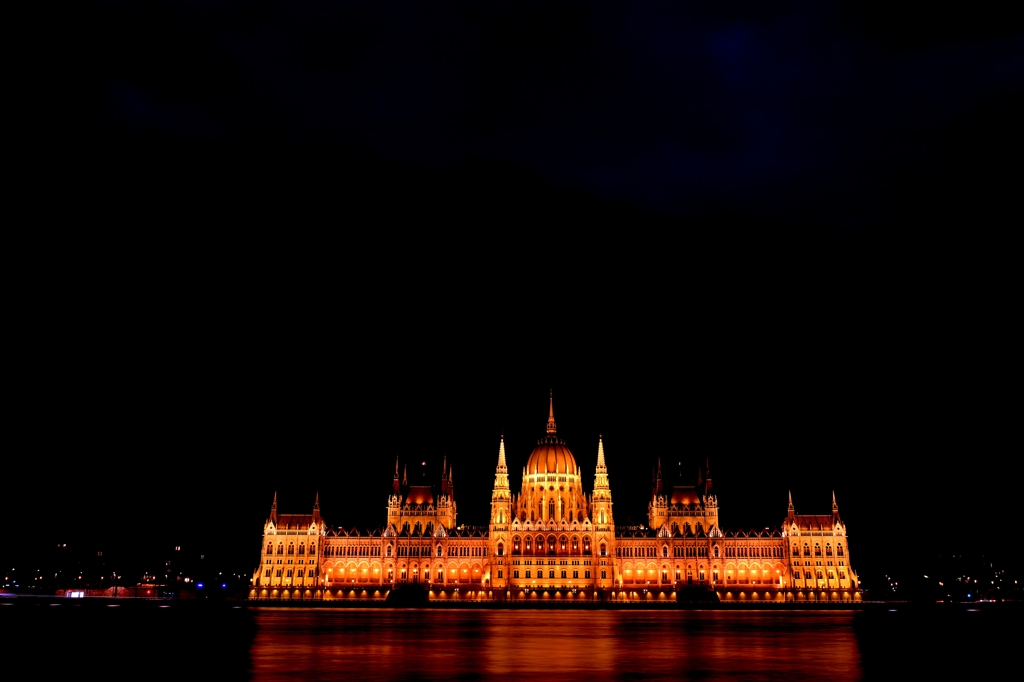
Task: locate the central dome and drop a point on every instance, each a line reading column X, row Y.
column 551, row 457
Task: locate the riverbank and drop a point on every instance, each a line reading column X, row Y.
column 9, row 603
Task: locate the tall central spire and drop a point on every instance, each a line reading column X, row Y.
column 551, row 411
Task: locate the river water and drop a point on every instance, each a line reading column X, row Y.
column 264, row 644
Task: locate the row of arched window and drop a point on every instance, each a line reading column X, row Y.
column 551, row 545
column 352, row 550
column 746, row 552
column 817, row 549
column 291, row 548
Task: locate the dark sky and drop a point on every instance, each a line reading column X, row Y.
column 323, row 234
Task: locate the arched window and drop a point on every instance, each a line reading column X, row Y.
column 529, row 543
column 291, row 549
column 664, row 550
column 807, row 549
column 389, row 550
column 839, row 549
column 551, row 510
column 586, row 545
column 302, row 550
column 551, row 544
column 563, row 543
column 716, row 551
column 440, row 551
column 312, row 549
column 828, row 549
column 501, row 549
column 515, row 545
column 604, row 550
column 817, row 549
column 270, row 548
column 575, row 544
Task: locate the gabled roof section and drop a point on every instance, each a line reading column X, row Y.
column 294, row 521
column 813, row 521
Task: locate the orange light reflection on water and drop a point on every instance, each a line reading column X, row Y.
column 386, row 644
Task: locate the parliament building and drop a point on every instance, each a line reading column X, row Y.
column 554, row 541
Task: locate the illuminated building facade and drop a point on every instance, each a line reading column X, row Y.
column 553, row 540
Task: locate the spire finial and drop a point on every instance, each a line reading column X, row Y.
column 790, row 499
column 274, row 504
column 551, row 411
column 501, row 452
column 316, row 502
column 834, row 505
column 600, row 453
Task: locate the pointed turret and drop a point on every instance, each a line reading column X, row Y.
column 395, row 486
column 835, row 508
column 600, row 512
column 273, row 510
column 316, row 508
column 659, row 488
column 601, row 488
column 405, row 475
column 792, row 513
column 444, row 475
column 551, row 412
column 707, row 476
column 500, row 496
column 451, row 487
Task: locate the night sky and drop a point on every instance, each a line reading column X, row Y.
column 292, row 242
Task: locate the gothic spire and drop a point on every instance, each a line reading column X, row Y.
column 273, row 509
column 600, row 453
column 501, row 474
column 551, row 412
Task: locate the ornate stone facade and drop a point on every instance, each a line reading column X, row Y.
column 552, row 540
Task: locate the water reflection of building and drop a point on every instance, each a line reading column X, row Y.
column 553, row 540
